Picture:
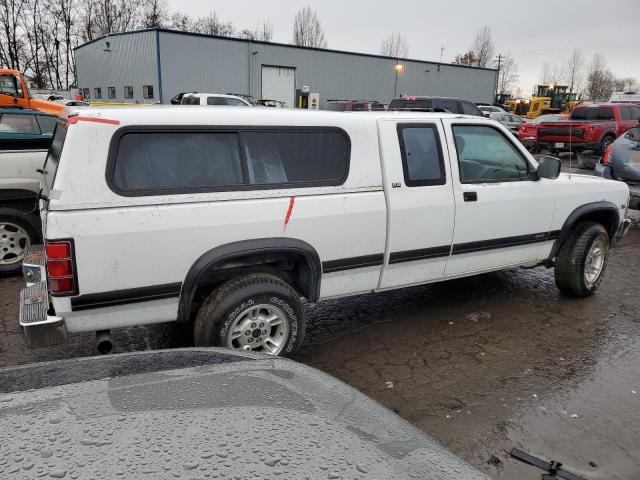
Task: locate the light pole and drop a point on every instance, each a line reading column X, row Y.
column 398, row 68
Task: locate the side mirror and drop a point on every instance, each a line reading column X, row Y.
column 549, row 167
column 487, row 114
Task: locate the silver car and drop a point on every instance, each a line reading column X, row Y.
column 621, row 161
column 509, row 120
column 204, row 413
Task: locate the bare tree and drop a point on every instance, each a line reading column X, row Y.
column 154, row 13
column 574, row 68
column 508, row 75
column 395, row 45
column 600, row 81
column 552, row 74
column 263, row 32
column 11, row 41
column 467, row 58
column 213, row 25
column 307, row 29
column 182, row 22
column 483, row 47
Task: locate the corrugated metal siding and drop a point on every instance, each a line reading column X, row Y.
column 131, row 61
column 203, row 64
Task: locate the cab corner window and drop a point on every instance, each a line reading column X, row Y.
column 486, row 155
column 421, row 155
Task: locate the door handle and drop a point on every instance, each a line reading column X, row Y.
column 470, row 196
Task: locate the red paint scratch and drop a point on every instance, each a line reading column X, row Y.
column 292, row 200
column 77, row 118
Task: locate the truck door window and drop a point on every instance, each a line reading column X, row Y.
column 22, row 124
column 421, row 152
column 486, row 155
column 9, row 85
column 210, row 101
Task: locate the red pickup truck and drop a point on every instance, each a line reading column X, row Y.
column 590, row 127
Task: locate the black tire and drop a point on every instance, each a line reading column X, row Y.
column 219, row 310
column 604, row 143
column 30, row 223
column 571, row 259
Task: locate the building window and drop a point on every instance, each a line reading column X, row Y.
column 111, row 91
column 147, row 91
column 128, row 92
column 97, row 92
column 86, row 93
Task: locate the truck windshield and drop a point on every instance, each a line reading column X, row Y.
column 53, row 156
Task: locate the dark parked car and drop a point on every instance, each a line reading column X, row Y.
column 197, row 413
column 25, row 128
column 354, row 105
column 453, row 105
column 621, row 161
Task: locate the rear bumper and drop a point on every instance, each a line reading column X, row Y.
column 39, row 325
column 566, row 146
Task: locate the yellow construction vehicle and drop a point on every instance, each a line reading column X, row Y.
column 551, row 99
column 519, row 106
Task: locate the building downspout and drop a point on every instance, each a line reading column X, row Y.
column 158, row 65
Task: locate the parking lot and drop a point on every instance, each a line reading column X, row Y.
column 482, row 364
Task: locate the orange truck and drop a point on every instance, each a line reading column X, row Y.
column 14, row 93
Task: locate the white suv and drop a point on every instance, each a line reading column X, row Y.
column 225, row 219
column 213, row 99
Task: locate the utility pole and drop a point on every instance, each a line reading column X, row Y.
column 495, row 98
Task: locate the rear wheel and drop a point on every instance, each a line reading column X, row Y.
column 257, row 312
column 582, row 260
column 18, row 230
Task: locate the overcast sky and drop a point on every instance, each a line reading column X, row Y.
column 531, row 31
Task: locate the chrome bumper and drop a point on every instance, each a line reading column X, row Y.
column 39, row 326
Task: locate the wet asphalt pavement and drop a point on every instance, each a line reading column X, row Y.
column 482, row 364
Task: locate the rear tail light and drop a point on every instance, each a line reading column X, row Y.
column 61, row 267
column 606, row 156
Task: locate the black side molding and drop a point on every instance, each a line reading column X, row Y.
column 419, row 254
column 503, row 242
column 353, row 262
column 122, row 297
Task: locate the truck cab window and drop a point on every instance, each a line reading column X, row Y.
column 421, row 155
column 9, row 86
column 486, row 155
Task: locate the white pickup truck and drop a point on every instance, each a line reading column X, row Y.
column 226, row 219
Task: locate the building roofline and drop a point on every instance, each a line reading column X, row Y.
column 277, row 44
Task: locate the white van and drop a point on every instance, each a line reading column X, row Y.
column 625, row 97
column 217, row 99
column 225, row 219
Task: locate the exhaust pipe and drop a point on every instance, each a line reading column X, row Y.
column 104, row 342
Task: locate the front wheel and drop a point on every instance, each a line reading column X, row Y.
column 582, row 260
column 257, row 312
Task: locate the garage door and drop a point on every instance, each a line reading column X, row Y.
column 279, row 83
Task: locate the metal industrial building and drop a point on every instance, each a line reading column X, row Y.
column 153, row 65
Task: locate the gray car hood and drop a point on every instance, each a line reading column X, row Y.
column 232, row 416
